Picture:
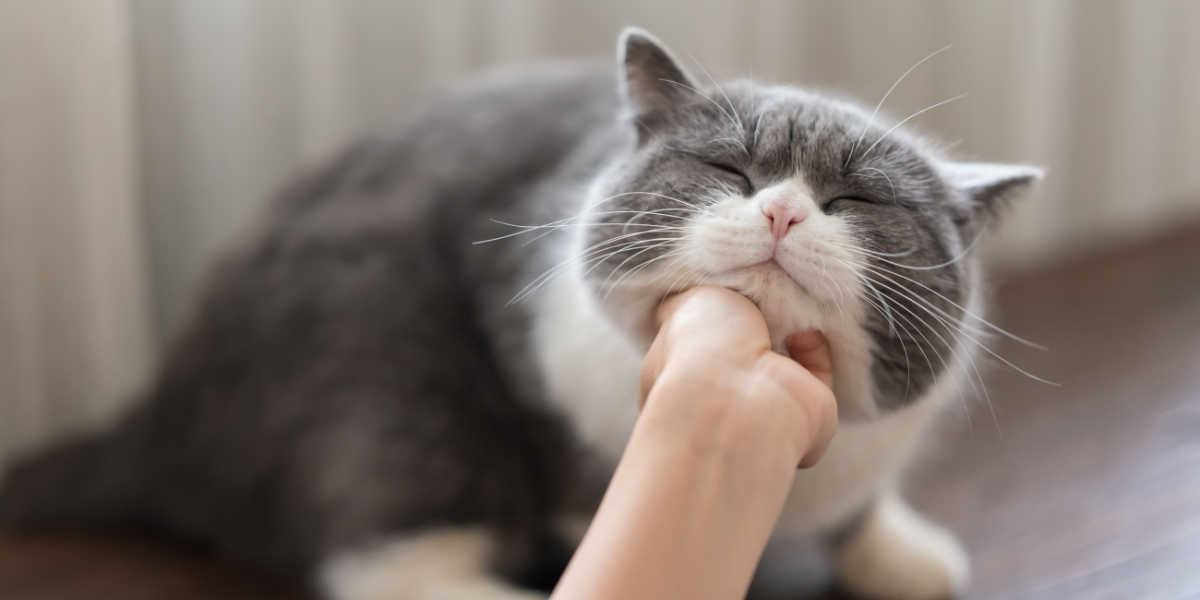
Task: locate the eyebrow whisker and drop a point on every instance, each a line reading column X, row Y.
column 886, row 94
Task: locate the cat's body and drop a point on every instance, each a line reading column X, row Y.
column 360, row 397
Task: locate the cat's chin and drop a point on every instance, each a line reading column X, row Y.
column 787, row 305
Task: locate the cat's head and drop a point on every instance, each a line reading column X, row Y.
column 826, row 217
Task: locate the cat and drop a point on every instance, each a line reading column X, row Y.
column 414, row 381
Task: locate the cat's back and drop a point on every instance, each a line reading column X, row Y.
column 334, row 347
column 370, row 254
column 376, row 243
column 470, row 146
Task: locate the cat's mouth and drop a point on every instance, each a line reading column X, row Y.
column 765, row 274
column 787, row 305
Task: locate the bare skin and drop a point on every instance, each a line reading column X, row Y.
column 724, row 423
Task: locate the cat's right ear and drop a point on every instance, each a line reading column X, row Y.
column 651, row 80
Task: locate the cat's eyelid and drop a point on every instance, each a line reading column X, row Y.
column 728, row 168
column 732, row 170
column 828, row 203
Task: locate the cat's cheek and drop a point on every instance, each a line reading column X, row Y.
column 733, row 237
column 633, row 312
column 852, row 384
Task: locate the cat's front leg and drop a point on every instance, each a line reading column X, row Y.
column 893, row 552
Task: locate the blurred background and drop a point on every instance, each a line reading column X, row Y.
column 137, row 138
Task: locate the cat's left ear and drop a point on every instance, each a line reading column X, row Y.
column 989, row 187
column 651, row 80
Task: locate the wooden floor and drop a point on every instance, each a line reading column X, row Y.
column 1088, row 489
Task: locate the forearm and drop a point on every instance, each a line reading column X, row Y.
column 681, row 519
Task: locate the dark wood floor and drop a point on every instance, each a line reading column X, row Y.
column 1089, row 489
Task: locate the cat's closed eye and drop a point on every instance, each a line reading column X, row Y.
column 734, row 172
column 837, row 203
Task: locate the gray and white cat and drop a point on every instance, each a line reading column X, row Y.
column 367, row 397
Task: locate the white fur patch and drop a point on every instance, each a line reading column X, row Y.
column 898, row 554
column 444, row 564
column 862, row 457
column 591, row 368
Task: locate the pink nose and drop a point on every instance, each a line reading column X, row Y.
column 781, row 214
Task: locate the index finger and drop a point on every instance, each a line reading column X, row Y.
column 711, row 310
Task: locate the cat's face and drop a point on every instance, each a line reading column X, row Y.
column 825, row 218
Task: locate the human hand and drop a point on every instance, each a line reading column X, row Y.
column 712, row 458
column 711, row 377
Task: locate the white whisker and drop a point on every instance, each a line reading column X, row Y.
column 909, row 118
column 732, row 118
column 953, row 260
column 981, row 387
column 886, row 94
column 885, row 176
column 948, row 320
column 986, row 323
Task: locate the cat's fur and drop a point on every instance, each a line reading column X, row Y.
column 360, row 398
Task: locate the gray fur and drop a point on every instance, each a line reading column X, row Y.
column 357, row 370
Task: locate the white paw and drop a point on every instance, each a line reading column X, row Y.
column 441, row 564
column 898, row 554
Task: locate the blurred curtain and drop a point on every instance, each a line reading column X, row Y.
column 235, row 94
column 74, row 302
column 229, row 96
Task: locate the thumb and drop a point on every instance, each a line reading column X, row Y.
column 811, row 350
